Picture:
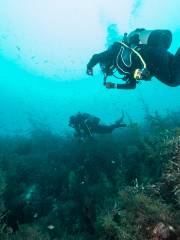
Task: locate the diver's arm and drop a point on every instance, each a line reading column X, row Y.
column 131, row 84
column 103, row 129
column 104, row 56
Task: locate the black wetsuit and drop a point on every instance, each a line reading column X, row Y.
column 161, row 64
column 86, row 125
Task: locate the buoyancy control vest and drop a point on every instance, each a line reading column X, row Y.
column 130, row 43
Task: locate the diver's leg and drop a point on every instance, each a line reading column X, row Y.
column 161, row 64
column 163, row 68
column 157, row 60
column 176, row 73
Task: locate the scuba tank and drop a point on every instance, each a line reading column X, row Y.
column 152, row 38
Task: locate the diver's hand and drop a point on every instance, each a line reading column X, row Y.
column 142, row 74
column 110, row 85
column 89, row 71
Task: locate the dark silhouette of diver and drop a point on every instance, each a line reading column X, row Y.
column 141, row 55
column 86, row 125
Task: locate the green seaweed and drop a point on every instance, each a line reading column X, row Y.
column 119, row 186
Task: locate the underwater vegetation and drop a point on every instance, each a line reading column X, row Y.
column 121, row 186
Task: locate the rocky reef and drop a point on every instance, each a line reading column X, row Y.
column 124, row 186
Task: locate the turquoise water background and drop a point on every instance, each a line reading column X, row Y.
column 44, row 49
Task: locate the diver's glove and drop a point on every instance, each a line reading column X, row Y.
column 89, row 71
column 110, row 85
column 142, row 74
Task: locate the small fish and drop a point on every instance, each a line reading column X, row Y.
column 171, row 228
column 35, row 215
column 29, row 192
column 50, row 227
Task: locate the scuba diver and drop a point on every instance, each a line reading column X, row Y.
column 85, row 125
column 141, row 55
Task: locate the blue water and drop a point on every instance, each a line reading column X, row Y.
column 44, row 49
column 104, row 187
